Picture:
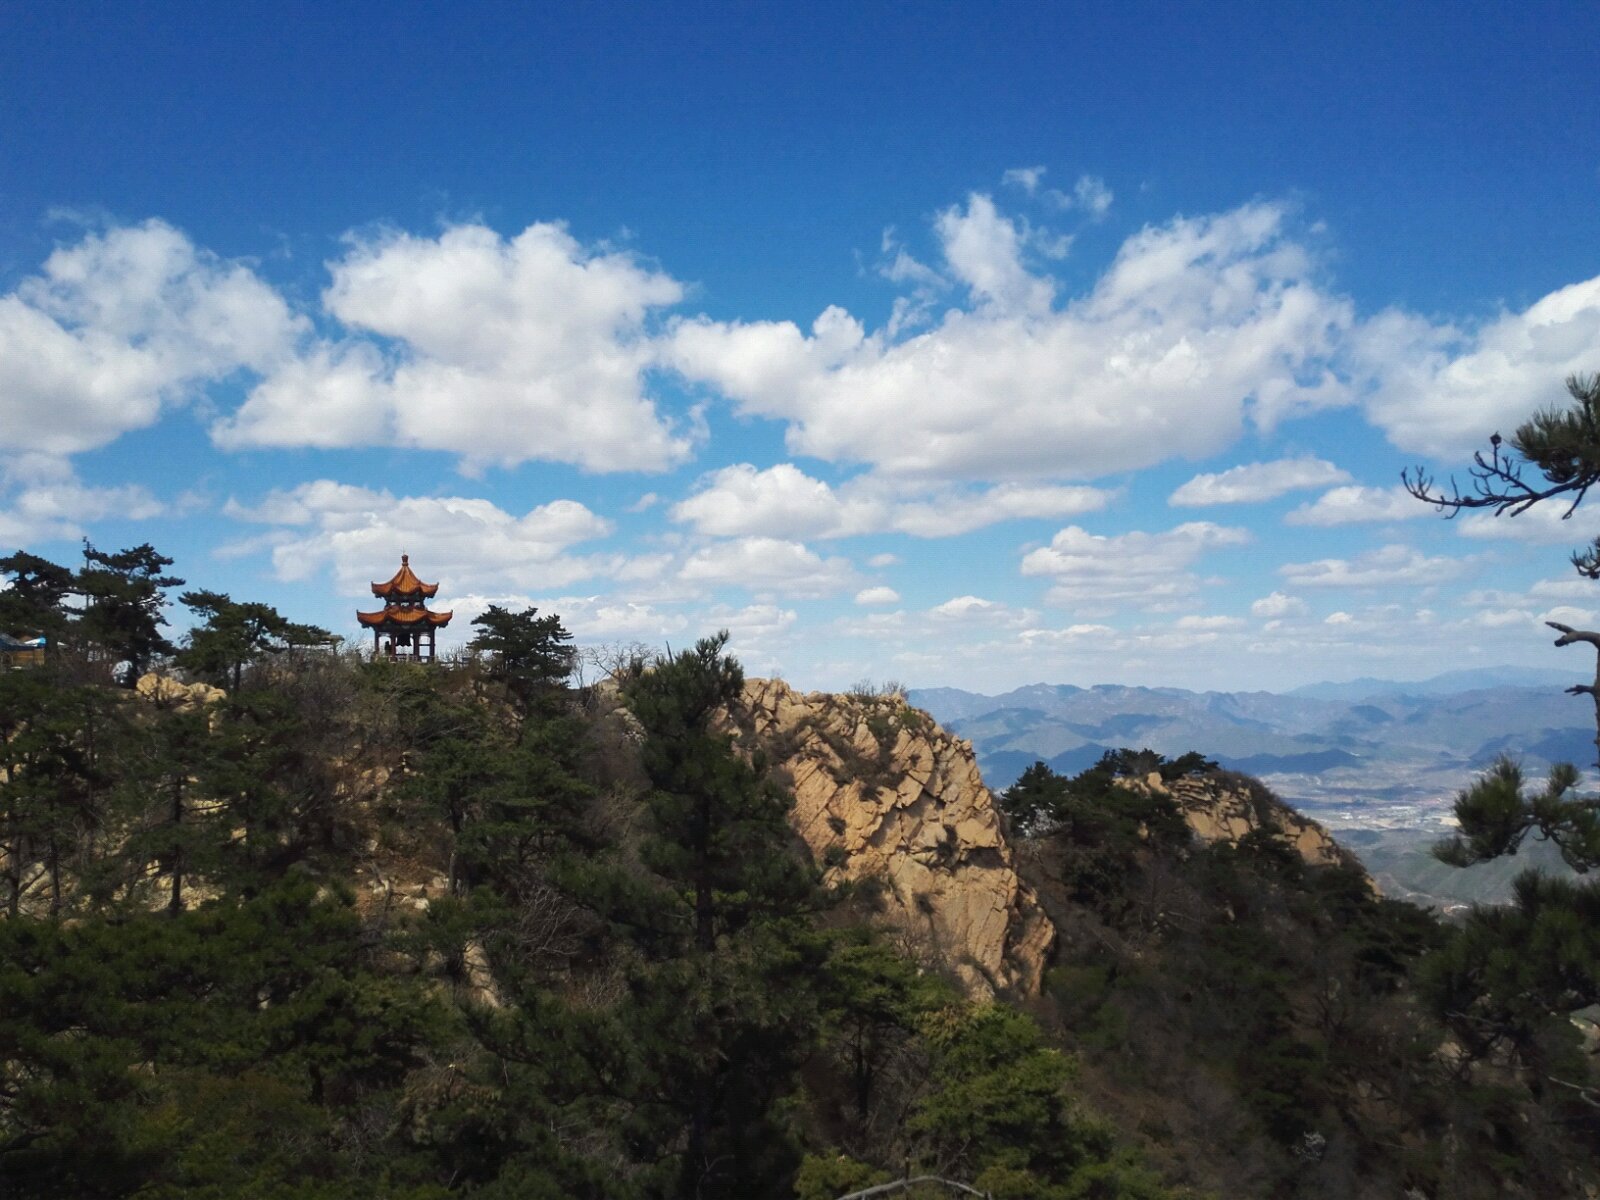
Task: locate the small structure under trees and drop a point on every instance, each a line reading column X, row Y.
column 17, row 653
column 405, row 627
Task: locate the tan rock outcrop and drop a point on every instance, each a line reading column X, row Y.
column 882, row 792
column 163, row 689
column 1223, row 807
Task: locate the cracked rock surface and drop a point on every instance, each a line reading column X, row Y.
column 881, row 791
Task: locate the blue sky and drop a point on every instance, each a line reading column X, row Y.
column 961, row 345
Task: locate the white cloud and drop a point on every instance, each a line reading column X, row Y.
column 753, row 620
column 1443, row 389
column 498, row 350
column 1070, row 634
column 1338, row 618
column 1565, row 589
column 358, row 532
column 1566, row 614
column 48, row 502
column 965, row 606
column 121, row 325
column 984, row 251
column 1257, row 481
column 1544, row 524
column 763, row 564
column 1196, row 324
column 1377, row 568
column 1499, row 618
column 1352, row 505
column 782, row 501
column 1092, row 195
column 878, row 595
column 1026, row 178
column 1208, row 624
column 1279, row 605
column 1137, row 567
column 611, row 618
column 950, row 513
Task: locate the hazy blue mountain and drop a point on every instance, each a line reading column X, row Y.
column 1473, row 679
column 1365, row 761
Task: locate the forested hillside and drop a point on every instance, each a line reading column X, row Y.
column 281, row 922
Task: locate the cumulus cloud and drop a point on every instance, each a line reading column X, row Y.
column 1377, row 568
column 1565, row 589
column 878, row 595
column 606, row 618
column 1026, row 178
column 122, row 325
column 984, row 251
column 1257, row 481
column 1069, row 635
column 355, row 531
column 1566, row 614
column 1279, row 605
column 498, row 350
column 1196, row 324
column 1500, row 618
column 1137, row 567
column 1208, row 624
column 782, row 501
column 1092, row 195
column 961, row 607
column 1354, row 505
column 767, row 564
column 1544, row 524
column 47, row 502
column 1442, row 389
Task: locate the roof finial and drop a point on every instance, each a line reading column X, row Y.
column 405, row 559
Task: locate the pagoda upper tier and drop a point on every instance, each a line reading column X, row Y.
column 404, row 584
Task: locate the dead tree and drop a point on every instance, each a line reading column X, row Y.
column 1570, row 636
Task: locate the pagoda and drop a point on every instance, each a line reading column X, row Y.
column 405, row 628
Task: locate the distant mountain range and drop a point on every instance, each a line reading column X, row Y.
column 1351, row 753
column 1448, row 684
column 1377, row 761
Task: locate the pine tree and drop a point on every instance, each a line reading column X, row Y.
column 34, row 602
column 1540, row 957
column 235, row 635
column 124, row 595
column 724, row 1022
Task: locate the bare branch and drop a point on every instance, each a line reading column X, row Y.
column 898, row 1185
column 1589, row 1095
column 1569, row 635
column 1497, row 484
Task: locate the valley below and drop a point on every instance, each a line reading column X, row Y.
column 1378, row 763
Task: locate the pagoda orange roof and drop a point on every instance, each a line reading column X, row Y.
column 404, row 582
column 399, row 614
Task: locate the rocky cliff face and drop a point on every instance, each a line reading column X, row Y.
column 1224, row 807
column 882, row 792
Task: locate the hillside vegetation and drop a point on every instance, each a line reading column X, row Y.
column 284, row 923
